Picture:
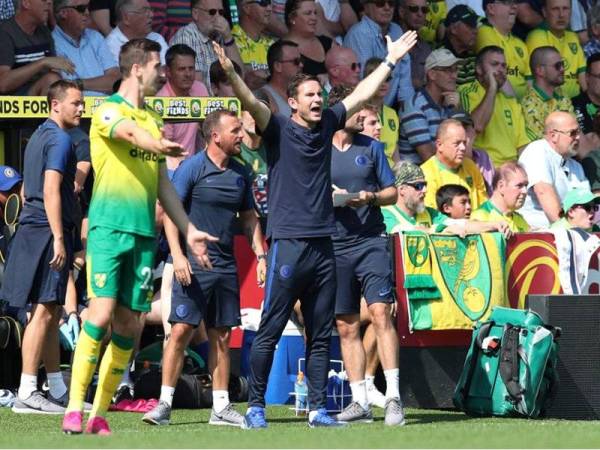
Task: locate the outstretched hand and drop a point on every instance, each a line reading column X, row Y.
column 224, row 60
column 170, row 148
column 196, row 241
column 400, row 47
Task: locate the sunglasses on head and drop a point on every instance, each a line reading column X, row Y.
column 589, row 207
column 262, row 3
column 419, row 185
column 81, row 9
column 415, row 9
column 382, row 3
column 213, row 11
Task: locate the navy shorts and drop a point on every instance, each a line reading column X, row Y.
column 28, row 277
column 213, row 297
column 364, row 270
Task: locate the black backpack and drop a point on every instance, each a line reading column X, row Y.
column 11, row 337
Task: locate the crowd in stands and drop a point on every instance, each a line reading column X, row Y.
column 490, row 123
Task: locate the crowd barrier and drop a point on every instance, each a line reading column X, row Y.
column 531, row 267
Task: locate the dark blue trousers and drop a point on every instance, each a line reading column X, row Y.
column 301, row 269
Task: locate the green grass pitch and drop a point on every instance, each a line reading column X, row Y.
column 189, row 429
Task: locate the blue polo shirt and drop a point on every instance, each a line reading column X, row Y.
column 49, row 148
column 419, row 122
column 91, row 56
column 299, row 159
column 363, row 167
column 212, row 198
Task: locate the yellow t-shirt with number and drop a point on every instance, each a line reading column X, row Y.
column 515, row 51
column 436, row 15
column 126, row 177
column 489, row 213
column 569, row 48
column 390, row 124
column 467, row 175
column 253, row 53
column 505, row 132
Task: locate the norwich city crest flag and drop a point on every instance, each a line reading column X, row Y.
column 458, row 280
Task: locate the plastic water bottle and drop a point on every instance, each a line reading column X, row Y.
column 301, row 392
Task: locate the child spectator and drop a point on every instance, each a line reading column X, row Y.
column 453, row 201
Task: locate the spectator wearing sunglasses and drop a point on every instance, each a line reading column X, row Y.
column 412, row 15
column 551, row 169
column 208, row 24
column 284, row 63
column 428, row 107
column 95, row 65
column 578, row 210
column 555, row 33
column 343, row 68
column 450, row 165
column 134, row 21
column 545, row 95
column 252, row 41
column 460, row 37
column 368, row 39
column 501, row 16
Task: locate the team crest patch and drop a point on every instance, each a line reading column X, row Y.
column 9, row 173
column 360, row 160
column 573, row 47
column 435, row 8
column 285, row 271
column 469, row 181
column 100, row 280
column 392, row 124
column 182, row 311
column 520, row 51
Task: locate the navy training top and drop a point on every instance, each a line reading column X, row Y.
column 363, row 167
column 49, row 148
column 299, row 191
column 212, row 198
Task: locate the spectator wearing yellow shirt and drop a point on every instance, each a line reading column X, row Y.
column 554, row 33
column 449, row 165
column 510, row 191
column 390, row 123
column 497, row 117
column 545, row 95
column 433, row 30
column 251, row 40
column 501, row 16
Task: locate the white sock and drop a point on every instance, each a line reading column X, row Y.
column 392, row 383
column 27, row 386
column 359, row 393
column 56, row 384
column 166, row 394
column 369, row 381
column 220, row 400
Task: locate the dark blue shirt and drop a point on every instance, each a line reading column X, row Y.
column 212, row 198
column 363, row 167
column 299, row 160
column 49, row 148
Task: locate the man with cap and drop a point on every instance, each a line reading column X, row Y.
column 460, row 37
column 10, row 183
column 426, row 109
column 412, row 15
column 578, row 210
column 409, row 213
column 449, row 165
column 501, row 16
column 546, row 94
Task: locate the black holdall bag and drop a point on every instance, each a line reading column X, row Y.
column 11, row 338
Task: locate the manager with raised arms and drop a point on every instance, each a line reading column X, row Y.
column 301, row 262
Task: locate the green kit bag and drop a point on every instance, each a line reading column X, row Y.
column 510, row 369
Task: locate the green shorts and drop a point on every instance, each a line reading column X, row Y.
column 119, row 266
